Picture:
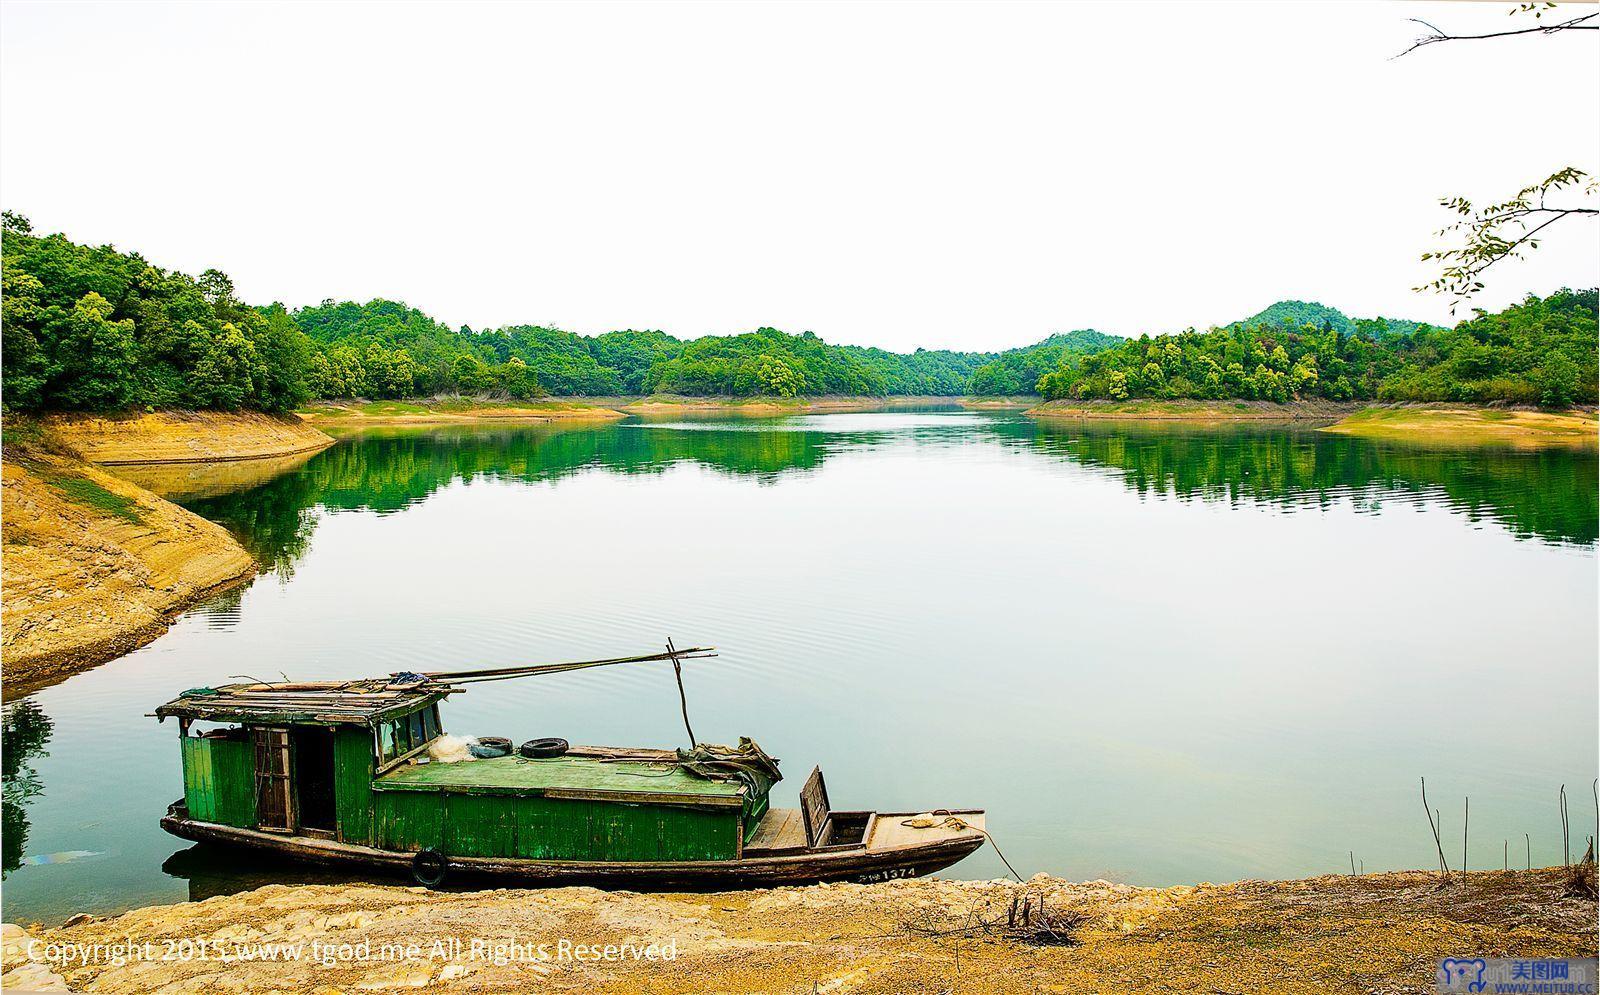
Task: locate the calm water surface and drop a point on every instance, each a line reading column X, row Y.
column 1159, row 654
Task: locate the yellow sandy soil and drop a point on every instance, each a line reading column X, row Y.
column 1375, row 933
column 347, row 416
column 1197, row 411
column 999, row 403
column 341, row 416
column 95, row 566
column 1474, row 426
column 664, row 404
column 183, row 436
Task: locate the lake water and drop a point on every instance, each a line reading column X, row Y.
column 1155, row 653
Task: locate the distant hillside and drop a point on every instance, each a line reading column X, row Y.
column 1017, row 371
column 1298, row 314
column 96, row 329
column 1541, row 351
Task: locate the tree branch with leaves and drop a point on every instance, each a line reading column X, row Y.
column 1507, row 230
column 1511, row 229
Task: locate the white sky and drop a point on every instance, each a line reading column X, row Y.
column 896, row 175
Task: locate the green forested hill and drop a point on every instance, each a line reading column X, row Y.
column 1298, row 314
column 1541, row 351
column 1017, row 371
column 93, row 328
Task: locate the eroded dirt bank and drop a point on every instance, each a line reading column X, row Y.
column 183, row 436
column 95, row 566
column 1371, row 934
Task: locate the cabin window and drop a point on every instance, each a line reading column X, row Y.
column 397, row 737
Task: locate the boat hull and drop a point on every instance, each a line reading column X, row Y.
column 863, row 864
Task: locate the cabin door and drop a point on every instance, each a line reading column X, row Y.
column 313, row 779
column 274, row 799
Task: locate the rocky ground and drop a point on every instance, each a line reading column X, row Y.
column 1375, row 933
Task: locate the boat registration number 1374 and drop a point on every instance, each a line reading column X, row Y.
column 888, row 874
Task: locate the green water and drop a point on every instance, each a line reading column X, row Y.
column 1154, row 653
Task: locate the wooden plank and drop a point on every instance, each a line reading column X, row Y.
column 409, row 822
column 352, row 784
column 619, row 780
column 197, row 794
column 550, row 829
column 642, row 797
column 780, row 829
column 233, row 781
column 479, row 826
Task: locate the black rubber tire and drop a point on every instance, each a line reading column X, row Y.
column 429, row 868
column 489, row 747
column 536, row 749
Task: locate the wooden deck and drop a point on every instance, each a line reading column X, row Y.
column 889, row 831
column 780, row 829
column 565, row 777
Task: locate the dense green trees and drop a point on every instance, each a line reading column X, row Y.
column 1541, row 351
column 1017, row 371
column 96, row 329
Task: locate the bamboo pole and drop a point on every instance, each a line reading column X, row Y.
column 534, row 670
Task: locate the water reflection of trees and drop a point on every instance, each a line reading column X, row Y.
column 24, row 731
column 390, row 471
column 1549, row 494
column 1546, row 494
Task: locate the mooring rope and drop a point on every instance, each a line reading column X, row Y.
column 953, row 821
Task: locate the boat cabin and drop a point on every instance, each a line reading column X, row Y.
column 349, row 763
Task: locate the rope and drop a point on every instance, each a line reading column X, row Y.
column 953, row 821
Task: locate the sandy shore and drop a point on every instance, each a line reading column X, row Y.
column 339, row 416
column 1374, row 933
column 775, row 406
column 1428, row 423
column 354, row 415
column 1474, row 426
column 1197, row 411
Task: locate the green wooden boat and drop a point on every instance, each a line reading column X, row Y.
column 340, row 773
